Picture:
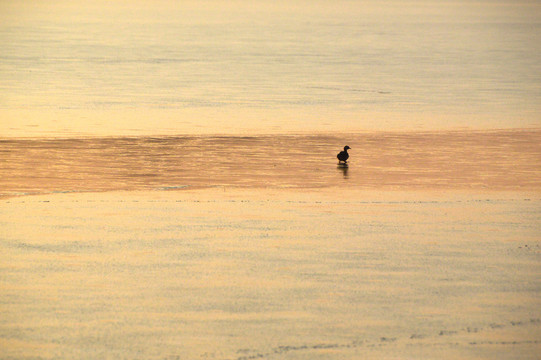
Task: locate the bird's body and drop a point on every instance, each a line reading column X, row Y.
column 343, row 156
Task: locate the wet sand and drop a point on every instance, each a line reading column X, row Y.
column 433, row 252
column 271, row 274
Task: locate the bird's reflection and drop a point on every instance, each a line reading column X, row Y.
column 344, row 168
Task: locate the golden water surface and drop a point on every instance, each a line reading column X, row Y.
column 506, row 159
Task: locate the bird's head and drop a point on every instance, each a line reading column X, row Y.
column 346, row 148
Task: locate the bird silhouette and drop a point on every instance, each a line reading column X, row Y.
column 343, row 156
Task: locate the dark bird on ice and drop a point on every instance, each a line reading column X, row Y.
column 343, row 156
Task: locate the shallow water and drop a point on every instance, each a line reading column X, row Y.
column 497, row 160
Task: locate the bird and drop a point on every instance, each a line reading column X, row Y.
column 343, row 156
